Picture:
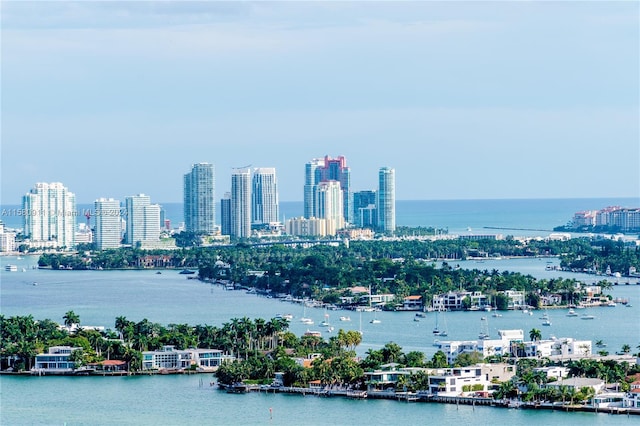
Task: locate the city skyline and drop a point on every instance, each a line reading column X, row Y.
column 474, row 100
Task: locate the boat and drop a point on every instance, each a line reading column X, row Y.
column 546, row 322
column 416, row 319
column 496, row 315
column 11, row 268
column 345, row 318
column 587, row 317
column 375, row 321
column 304, row 318
column 421, row 315
column 187, row 272
column 325, row 322
column 612, row 304
column 484, row 329
column 287, row 317
column 572, row 313
column 329, row 329
column 436, row 330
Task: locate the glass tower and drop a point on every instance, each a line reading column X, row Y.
column 199, row 199
column 386, row 199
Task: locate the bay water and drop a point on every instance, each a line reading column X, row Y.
column 98, row 297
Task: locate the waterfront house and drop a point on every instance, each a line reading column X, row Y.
column 577, row 383
column 55, row 361
column 632, row 398
column 451, row 301
column 412, row 303
column 109, row 366
column 170, row 358
column 608, row 399
column 456, row 381
column 516, row 299
column 385, row 378
column 554, row 372
column 563, row 348
column 487, row 347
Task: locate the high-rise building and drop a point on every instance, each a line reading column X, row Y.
column 241, row 203
column 199, row 199
column 108, row 228
column 312, row 177
column 364, row 209
column 329, row 205
column 328, row 169
column 225, row 214
column 50, row 216
column 264, row 196
column 143, row 219
column 386, row 205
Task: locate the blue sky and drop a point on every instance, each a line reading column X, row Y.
column 466, row 100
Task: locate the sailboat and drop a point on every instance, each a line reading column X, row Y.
column 436, row 330
column 325, row 322
column 375, row 319
column 304, row 318
column 484, row 329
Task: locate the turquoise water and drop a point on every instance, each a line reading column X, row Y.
column 100, row 296
column 182, row 400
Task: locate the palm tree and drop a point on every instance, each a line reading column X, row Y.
column 71, row 318
column 535, row 334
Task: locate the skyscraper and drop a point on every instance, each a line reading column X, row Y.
column 225, row 214
column 364, row 209
column 241, row 203
column 50, row 216
column 312, row 177
column 264, row 196
column 199, row 199
column 329, row 205
column 143, row 219
column 386, row 199
column 108, row 227
column 328, row 169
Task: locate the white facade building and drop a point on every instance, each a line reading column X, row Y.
column 386, row 199
column 7, row 241
column 143, row 220
column 329, row 199
column 264, row 196
column 301, row 226
column 108, row 223
column 55, row 361
column 170, row 358
column 241, row 203
column 49, row 215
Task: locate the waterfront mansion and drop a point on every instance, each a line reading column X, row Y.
column 511, row 342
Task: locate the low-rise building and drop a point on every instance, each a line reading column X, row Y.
column 412, row 303
column 170, row 358
column 456, row 381
column 555, row 372
column 55, row 361
column 577, row 383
